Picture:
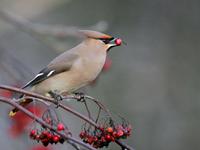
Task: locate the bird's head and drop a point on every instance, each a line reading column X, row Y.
column 106, row 40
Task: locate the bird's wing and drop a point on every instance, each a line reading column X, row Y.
column 60, row 64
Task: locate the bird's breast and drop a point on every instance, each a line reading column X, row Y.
column 90, row 66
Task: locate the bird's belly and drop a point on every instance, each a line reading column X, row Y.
column 64, row 82
column 80, row 75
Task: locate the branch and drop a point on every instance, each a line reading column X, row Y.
column 51, row 100
column 57, row 31
column 43, row 123
column 123, row 145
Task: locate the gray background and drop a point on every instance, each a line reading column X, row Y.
column 154, row 80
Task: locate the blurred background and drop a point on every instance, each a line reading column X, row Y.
column 153, row 81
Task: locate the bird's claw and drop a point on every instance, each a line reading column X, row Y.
column 80, row 96
column 57, row 98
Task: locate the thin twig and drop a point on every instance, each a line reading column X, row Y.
column 87, row 109
column 98, row 114
column 37, row 99
column 99, row 104
column 123, row 145
column 87, row 97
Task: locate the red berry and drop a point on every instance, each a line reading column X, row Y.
column 127, row 131
column 120, row 133
column 112, row 139
column 103, row 139
column 118, row 41
column 82, row 134
column 37, row 137
column 109, row 129
column 95, row 139
column 108, row 138
column 56, row 138
column 45, row 142
column 90, row 140
column 45, row 133
column 114, row 134
column 33, row 132
column 101, row 128
column 60, row 127
column 49, row 135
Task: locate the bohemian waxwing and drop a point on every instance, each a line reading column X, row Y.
column 74, row 68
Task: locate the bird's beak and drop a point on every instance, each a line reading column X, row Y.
column 115, row 42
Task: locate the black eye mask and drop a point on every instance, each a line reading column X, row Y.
column 106, row 40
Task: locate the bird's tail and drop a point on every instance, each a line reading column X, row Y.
column 23, row 102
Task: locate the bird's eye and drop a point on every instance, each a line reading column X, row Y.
column 106, row 41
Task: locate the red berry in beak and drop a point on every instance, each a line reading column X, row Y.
column 118, row 42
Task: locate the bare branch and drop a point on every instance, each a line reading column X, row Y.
column 50, row 100
column 57, row 31
column 34, row 95
column 43, row 123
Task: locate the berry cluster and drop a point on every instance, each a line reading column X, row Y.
column 45, row 136
column 104, row 135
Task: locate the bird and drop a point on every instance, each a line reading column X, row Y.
column 74, row 68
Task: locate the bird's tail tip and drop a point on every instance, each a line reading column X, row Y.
column 12, row 113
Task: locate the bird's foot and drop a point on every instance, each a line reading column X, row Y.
column 80, row 96
column 57, row 97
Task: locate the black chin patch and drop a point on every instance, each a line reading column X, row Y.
column 106, row 40
column 110, row 48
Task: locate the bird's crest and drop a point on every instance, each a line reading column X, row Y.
column 94, row 34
